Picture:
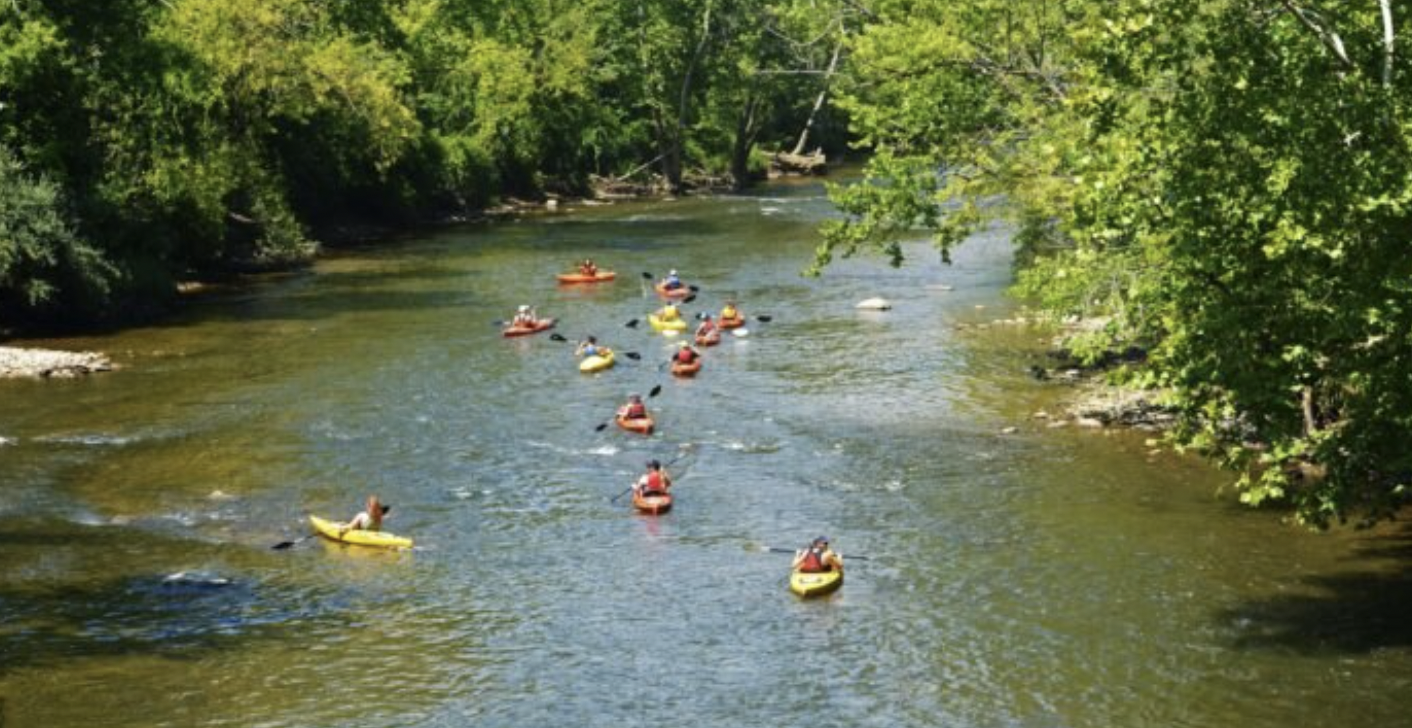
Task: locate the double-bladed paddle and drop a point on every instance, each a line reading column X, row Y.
column 282, row 545
column 629, row 354
column 778, row 550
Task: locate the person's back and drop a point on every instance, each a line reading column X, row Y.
column 634, row 409
column 669, row 313
column 686, row 355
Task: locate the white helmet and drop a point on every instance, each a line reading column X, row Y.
column 674, row 272
column 524, row 309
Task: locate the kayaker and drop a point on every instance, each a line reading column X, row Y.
column 817, row 557
column 707, row 326
column 525, row 317
column 669, row 312
column 655, row 480
column 634, row 409
column 371, row 517
column 685, row 354
column 589, row 347
column 673, row 281
column 588, row 267
column 730, row 312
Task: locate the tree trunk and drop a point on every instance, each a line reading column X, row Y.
column 745, row 131
column 819, row 102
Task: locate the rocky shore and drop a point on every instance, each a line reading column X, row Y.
column 48, row 363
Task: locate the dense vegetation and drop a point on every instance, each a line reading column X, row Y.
column 1222, row 183
column 142, row 142
column 1225, row 183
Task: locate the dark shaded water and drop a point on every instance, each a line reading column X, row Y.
column 1044, row 578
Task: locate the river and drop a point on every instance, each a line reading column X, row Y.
column 1046, row 578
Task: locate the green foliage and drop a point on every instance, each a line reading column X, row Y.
column 1227, row 183
column 193, row 136
column 41, row 257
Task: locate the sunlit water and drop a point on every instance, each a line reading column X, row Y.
column 1046, row 578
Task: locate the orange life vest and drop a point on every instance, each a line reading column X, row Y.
column 814, row 561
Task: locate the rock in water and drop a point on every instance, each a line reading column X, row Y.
column 874, row 304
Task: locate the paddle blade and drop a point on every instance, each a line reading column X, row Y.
column 647, row 275
column 557, row 337
column 655, row 390
column 633, row 355
column 695, row 288
column 282, row 545
column 601, row 427
column 631, row 324
column 764, row 319
column 689, row 299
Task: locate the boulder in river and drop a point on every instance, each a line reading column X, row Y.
column 17, row 362
column 874, row 304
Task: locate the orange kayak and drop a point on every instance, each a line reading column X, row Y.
column 682, row 292
column 538, row 326
column 642, row 425
column 599, row 277
column 686, row 370
column 652, row 503
column 731, row 323
column 710, row 339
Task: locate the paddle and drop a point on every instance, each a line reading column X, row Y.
column 650, row 394
column 669, row 464
column 629, row 354
column 282, row 545
column 778, row 550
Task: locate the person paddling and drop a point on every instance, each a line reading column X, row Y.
column 525, row 317
column 686, row 354
column 817, row 557
column 668, row 312
column 654, row 481
column 588, row 267
column 590, row 347
column 371, row 517
column 707, row 327
column 634, row 409
column 730, row 314
column 672, row 282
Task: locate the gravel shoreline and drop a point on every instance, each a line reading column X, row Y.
column 50, row 364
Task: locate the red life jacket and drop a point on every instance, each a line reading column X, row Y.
column 636, row 411
column 814, row 561
column 686, row 356
column 654, row 483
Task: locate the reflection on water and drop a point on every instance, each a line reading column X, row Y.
column 1040, row 578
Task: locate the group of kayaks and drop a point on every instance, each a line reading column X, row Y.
column 805, row 584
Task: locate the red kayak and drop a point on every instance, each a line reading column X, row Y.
column 686, row 370
column 641, row 425
column 710, row 339
column 540, row 325
column 654, row 503
column 731, row 323
column 599, row 277
column 682, row 292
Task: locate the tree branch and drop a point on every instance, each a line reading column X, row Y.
column 1328, row 37
column 1388, row 40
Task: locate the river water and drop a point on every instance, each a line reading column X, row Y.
column 1046, row 577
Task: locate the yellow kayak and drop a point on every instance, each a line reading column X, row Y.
column 813, row 584
column 660, row 325
column 597, row 362
column 334, row 531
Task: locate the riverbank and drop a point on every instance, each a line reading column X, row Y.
column 16, row 362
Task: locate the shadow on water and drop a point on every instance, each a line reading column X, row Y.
column 1354, row 612
column 184, row 615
